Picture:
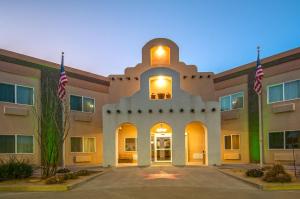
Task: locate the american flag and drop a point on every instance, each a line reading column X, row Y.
column 63, row 80
column 259, row 73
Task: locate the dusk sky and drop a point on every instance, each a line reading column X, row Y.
column 104, row 37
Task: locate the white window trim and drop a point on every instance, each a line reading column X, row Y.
column 82, row 111
column 284, row 141
column 230, row 98
column 15, row 90
column 125, row 143
column 83, row 137
column 283, row 92
column 16, row 145
column 231, row 147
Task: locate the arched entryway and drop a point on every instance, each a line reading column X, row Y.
column 196, row 144
column 126, row 144
column 161, row 143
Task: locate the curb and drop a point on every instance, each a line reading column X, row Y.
column 33, row 188
column 279, row 187
column 258, row 186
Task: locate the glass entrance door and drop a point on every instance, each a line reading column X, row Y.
column 163, row 147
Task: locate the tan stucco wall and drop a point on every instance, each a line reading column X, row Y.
column 279, row 121
column 92, row 128
column 25, row 124
column 237, row 125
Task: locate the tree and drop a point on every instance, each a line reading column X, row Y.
column 52, row 123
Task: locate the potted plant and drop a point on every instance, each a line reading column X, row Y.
column 161, row 96
column 168, row 96
column 153, row 96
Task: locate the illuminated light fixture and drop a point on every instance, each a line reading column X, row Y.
column 161, row 81
column 160, row 51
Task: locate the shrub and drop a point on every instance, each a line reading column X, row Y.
column 254, row 173
column 63, row 170
column 55, row 179
column 15, row 169
column 277, row 174
column 83, row 173
column 70, row 175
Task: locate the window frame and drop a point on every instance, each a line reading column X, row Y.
column 82, row 97
column 283, row 92
column 135, row 144
column 16, row 94
column 83, row 137
column 231, row 147
column 230, row 97
column 16, row 144
column 284, row 140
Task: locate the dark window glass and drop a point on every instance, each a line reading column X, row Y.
column 76, row 103
column 76, row 144
column 24, row 95
column 225, row 103
column 292, row 139
column 130, row 144
column 276, row 140
column 88, row 104
column 24, row 144
column 7, row 144
column 276, row 93
column 227, row 142
column 7, row 93
column 237, row 100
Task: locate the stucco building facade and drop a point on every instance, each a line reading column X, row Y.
column 161, row 111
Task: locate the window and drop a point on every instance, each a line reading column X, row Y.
column 89, row 145
column 24, row 144
column 292, row 139
column 16, row 144
column 130, row 144
column 231, row 102
column 7, row 93
column 160, row 55
column 284, row 91
column 7, row 143
column 276, row 140
column 83, row 104
column 276, row 93
column 16, row 94
column 160, row 87
column 76, row 144
column 284, row 140
column 232, row 142
column 24, row 95
column 83, row 144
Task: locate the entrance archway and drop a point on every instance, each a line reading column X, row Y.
column 196, row 144
column 161, row 143
column 126, row 144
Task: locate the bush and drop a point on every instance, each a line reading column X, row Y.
column 15, row 169
column 55, row 179
column 83, row 173
column 63, row 170
column 277, row 174
column 254, row 173
column 70, row 175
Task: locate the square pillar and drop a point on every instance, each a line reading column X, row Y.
column 143, row 147
column 178, row 145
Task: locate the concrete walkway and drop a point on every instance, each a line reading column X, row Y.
column 160, row 182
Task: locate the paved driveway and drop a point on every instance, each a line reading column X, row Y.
column 160, row 182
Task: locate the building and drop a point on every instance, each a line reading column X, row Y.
column 160, row 111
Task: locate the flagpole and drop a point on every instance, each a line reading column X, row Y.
column 63, row 130
column 260, row 123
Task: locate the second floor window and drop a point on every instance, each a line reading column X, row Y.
column 284, row 91
column 83, row 104
column 231, row 102
column 17, row 94
column 160, row 87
